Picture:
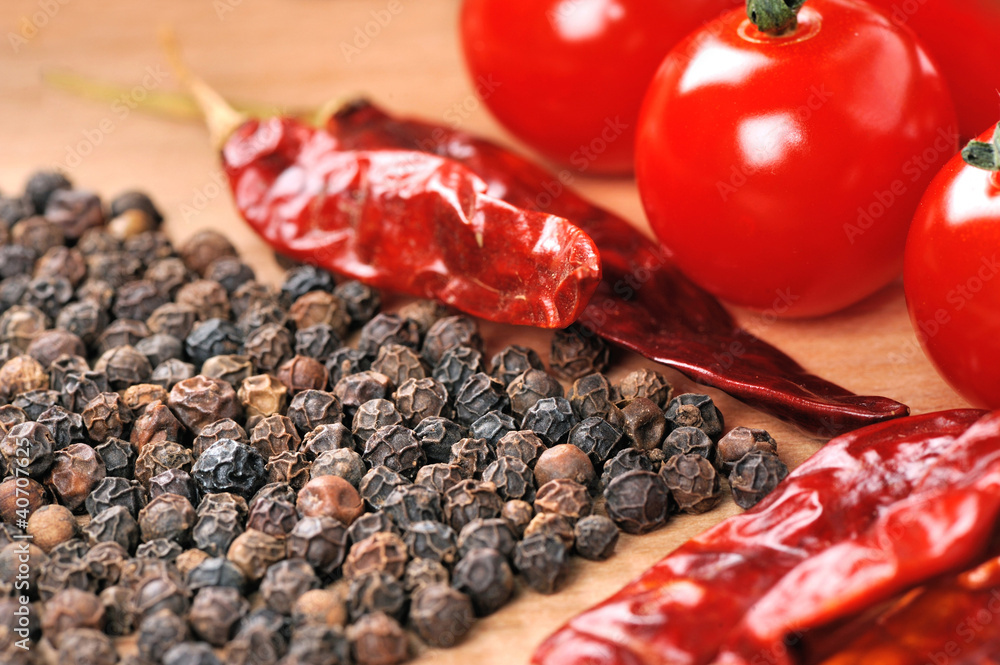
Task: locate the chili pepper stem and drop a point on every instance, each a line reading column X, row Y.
column 774, row 17
column 222, row 119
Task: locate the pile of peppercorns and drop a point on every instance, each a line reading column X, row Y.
column 199, row 459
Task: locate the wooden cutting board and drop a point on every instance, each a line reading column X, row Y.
column 304, row 53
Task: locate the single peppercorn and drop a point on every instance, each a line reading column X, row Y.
column 115, row 491
column 35, row 402
column 155, row 424
column 256, row 643
column 693, row 482
column 159, row 456
column 694, row 410
column 564, row 497
column 638, row 501
column 472, row 456
column 14, row 494
column 355, row 389
column 437, row 435
column 114, row 524
column 171, row 372
column 542, row 562
column 318, row 341
column 479, row 395
column 551, row 418
column 268, row 346
column 190, row 653
column 439, row 477
column 689, row 440
column 320, row 607
column 41, row 186
column 738, row 442
column 202, row 248
column 361, row 301
column 273, row 435
column 160, row 548
column 626, row 460
column 423, row 572
column 448, row 333
column 377, row 639
column 310, row 409
column 344, row 362
column 75, row 471
column 118, row 457
column 524, row 445
column 330, row 496
column 576, row 351
column 512, row 478
column 325, row 438
column 342, row 462
column 407, row 504
column 285, row 581
column 372, row 415
column 469, row 500
column 456, row 366
column 376, row 592
column 395, row 447
column 320, row 541
column 224, row 428
column 48, row 345
column 430, row 539
column 512, row 361
column 420, row 398
column 202, row 400
column 276, row 517
column 384, row 329
column 377, row 484
column 216, row 571
column 441, row 615
column 79, row 389
column 158, row 632
column 564, row 461
column 168, row 516
column 84, row 318
column 51, row 525
column 121, row 332
column 104, row 563
column 517, row 514
column 596, row 437
column 490, row 533
column 86, row 646
column 302, row 373
column 302, row 279
column 383, row 551
column 369, row 524
column 292, row 468
column 160, row 348
column 399, row 363
column 596, row 537
column 484, row 575
column 254, row 552
column 230, row 466
column 22, row 374
column 754, row 476
column 551, row 524
column 28, row 446
column 215, row 530
column 644, row 424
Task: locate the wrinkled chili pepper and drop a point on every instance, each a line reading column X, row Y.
column 402, row 220
column 874, row 512
column 954, row 620
column 643, row 302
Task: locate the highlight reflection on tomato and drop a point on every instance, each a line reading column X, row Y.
column 952, row 276
column 568, row 76
column 788, row 167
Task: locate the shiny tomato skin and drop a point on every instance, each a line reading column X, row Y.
column 782, row 173
column 962, row 37
column 567, row 77
column 952, row 279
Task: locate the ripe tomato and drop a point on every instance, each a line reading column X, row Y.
column 567, row 76
column 782, row 172
column 951, row 278
column 961, row 36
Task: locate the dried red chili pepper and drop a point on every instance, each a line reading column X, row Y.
column 954, row 620
column 402, row 220
column 643, row 302
column 874, row 512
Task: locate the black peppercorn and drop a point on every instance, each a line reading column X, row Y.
column 362, row 301
column 344, row 362
column 115, row 491
column 302, row 279
column 324, row 438
column 441, row 615
column 423, row 572
column 273, row 435
column 431, row 540
column 638, row 501
column 268, row 346
column 369, row 524
column 407, row 504
column 484, row 576
column 41, row 186
column 168, row 516
column 22, row 374
column 118, row 457
column 317, row 341
column 754, row 476
column 35, row 402
column 542, row 561
column 512, row 361
column 376, row 592
column 644, row 424
column 437, row 435
column 75, row 471
column 254, row 552
column 738, row 442
column 342, row 462
column 114, row 524
column 456, row 366
column 576, row 351
column 439, row 477
column 493, row 533
column 216, row 571
column 627, row 460
column 191, row 653
column 86, row 646
column 230, row 466
column 448, row 333
column 694, row 410
column 512, row 478
column 399, row 363
column 383, row 551
column 74, row 211
column 479, row 395
column 28, row 446
column 395, row 447
column 160, row 548
column 689, row 440
column 320, row 541
column 472, row 456
column 470, row 500
column 317, row 643
column 158, row 632
column 285, row 581
column 160, row 347
column 377, row 639
column 257, row 643
column 420, row 398
column 596, row 537
column 215, row 530
column 564, row 497
column 372, row 415
column 491, row 426
column 598, row 438
column 693, row 482
column 159, row 456
column 354, row 390
column 524, row 445
column 324, row 608
column 49, row 345
column 377, row 484
column 310, row 409
column 551, row 418
column 272, row 516
column 65, row 426
column 384, row 329
column 564, row 461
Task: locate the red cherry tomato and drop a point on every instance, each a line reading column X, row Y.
column 952, row 278
column 783, row 172
column 567, row 76
column 962, row 37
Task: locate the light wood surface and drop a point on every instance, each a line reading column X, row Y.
column 290, row 53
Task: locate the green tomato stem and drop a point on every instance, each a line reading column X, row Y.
column 984, row 154
column 774, row 17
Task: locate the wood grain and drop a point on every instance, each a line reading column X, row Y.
column 291, row 53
